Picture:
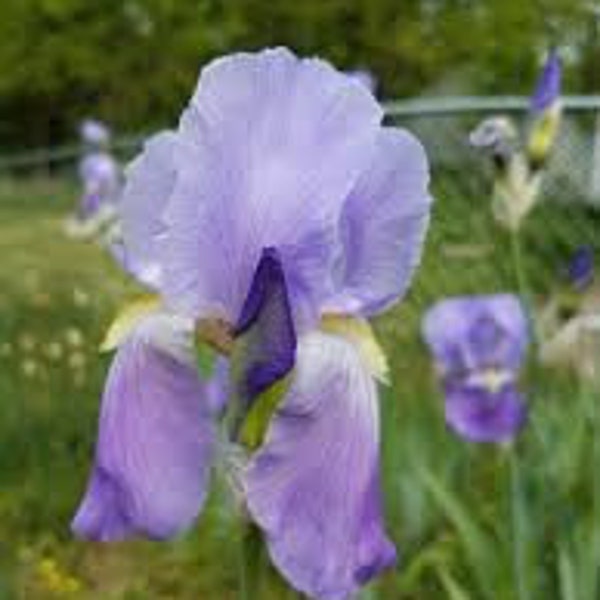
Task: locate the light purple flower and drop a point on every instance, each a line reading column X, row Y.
column 479, row 344
column 100, row 176
column 94, row 133
column 547, row 89
column 280, row 199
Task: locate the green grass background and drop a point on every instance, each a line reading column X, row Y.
column 460, row 532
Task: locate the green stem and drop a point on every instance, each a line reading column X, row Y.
column 517, row 256
column 589, row 399
column 523, row 287
column 250, row 563
column 519, row 526
column 242, row 568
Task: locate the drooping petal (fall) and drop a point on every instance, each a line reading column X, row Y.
column 313, row 487
column 154, row 447
column 483, row 415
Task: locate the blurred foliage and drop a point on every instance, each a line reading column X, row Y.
column 134, row 62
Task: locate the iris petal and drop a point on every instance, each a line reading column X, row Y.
column 547, row 88
column 383, row 226
column 265, row 330
column 314, row 485
column 270, row 147
column 459, row 329
column 154, row 448
column 480, row 415
column 150, row 180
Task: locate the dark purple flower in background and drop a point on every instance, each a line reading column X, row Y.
column 479, row 344
column 279, row 202
column 580, row 270
column 547, row 90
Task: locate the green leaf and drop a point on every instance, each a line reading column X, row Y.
column 453, row 588
column 258, row 418
column 205, row 360
column 567, row 578
column 478, row 545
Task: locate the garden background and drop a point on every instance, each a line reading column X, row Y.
column 133, row 65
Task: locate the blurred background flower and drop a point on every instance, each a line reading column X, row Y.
column 519, row 157
column 478, row 345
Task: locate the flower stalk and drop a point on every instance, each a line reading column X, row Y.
column 519, row 525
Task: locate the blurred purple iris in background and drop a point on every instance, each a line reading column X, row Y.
column 545, row 113
column 94, row 133
column 547, row 90
column 519, row 157
column 272, row 223
column 580, row 270
column 479, row 344
column 99, row 174
column 100, row 177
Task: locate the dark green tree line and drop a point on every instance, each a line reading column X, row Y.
column 133, row 62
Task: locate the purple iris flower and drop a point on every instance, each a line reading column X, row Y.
column 479, row 344
column 98, row 170
column 279, row 210
column 547, row 90
column 100, row 176
column 580, row 270
column 94, row 133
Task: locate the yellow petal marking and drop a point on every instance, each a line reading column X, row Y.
column 126, row 320
column 543, row 134
column 360, row 333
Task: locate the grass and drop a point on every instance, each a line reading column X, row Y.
column 448, row 503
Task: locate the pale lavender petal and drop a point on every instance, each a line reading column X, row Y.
column 365, row 78
column 154, row 448
column 383, row 226
column 267, row 328
column 473, row 332
column 547, row 89
column 149, row 181
column 270, row 147
column 94, row 132
column 478, row 414
column 313, row 487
